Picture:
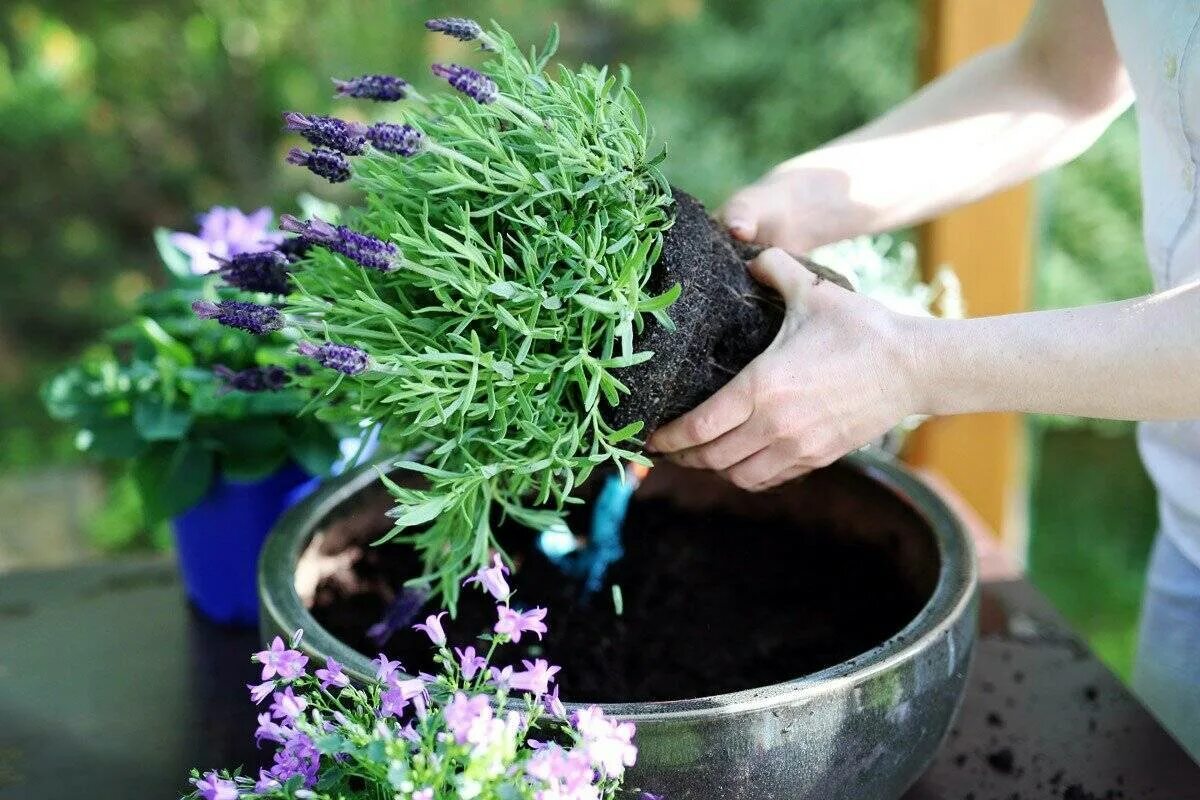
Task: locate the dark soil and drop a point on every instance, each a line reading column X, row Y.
column 723, row 319
column 713, row 603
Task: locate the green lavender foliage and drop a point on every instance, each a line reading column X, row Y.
column 527, row 229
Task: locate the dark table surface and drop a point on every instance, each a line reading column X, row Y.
column 110, row 687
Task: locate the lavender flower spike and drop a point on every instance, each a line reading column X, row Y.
column 343, row 358
column 336, row 134
column 257, row 272
column 329, row 164
column 403, row 140
column 465, row 30
column 249, row 317
column 381, row 88
column 366, row 250
column 472, row 83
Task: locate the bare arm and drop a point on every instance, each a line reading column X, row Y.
column 1001, row 118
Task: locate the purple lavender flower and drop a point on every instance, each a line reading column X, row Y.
column 536, row 677
column 249, row 317
column 465, row 30
column 212, row 787
column 343, row 358
column 473, row 83
column 513, row 624
column 261, row 691
column 298, row 757
column 278, row 660
column 336, row 134
column 286, row 706
column 368, row 251
column 332, row 675
column 403, row 140
column 267, row 271
column 224, row 233
column 374, row 87
column 328, row 164
column 251, row 379
column 432, row 627
column 469, row 663
column 491, row 579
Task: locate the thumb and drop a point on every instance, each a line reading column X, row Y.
column 740, row 214
column 775, row 268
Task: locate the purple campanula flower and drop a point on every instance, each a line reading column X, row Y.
column 469, row 663
column 321, row 161
column 608, row 743
column 278, row 660
column 473, row 83
column 554, row 705
column 250, row 317
column 423, row 794
column 298, row 757
column 536, row 677
column 212, row 787
column 261, row 691
column 396, row 699
column 468, row 717
column 224, row 233
column 343, row 358
column 287, row 706
column 465, row 30
column 366, row 250
column 374, row 87
column 267, row 271
column 265, row 783
column 336, row 134
column 271, row 731
column 432, row 627
column 566, row 773
column 390, row 137
column 332, row 675
column 492, row 579
column 385, row 668
column 513, row 624
column 252, row 379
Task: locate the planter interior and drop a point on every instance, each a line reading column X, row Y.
column 808, row 641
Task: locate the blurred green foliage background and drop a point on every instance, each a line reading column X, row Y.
column 120, row 116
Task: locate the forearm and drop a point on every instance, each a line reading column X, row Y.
column 1136, row 359
column 995, row 121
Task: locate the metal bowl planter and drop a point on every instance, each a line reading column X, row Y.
column 863, row 729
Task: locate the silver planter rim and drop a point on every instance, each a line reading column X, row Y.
column 282, row 610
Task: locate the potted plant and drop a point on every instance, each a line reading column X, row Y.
column 518, row 300
column 206, row 417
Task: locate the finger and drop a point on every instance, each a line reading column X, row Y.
column 719, row 414
column 775, row 268
column 728, row 449
column 753, row 472
column 789, row 474
column 741, row 216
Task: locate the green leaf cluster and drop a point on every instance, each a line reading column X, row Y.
column 147, row 393
column 527, row 229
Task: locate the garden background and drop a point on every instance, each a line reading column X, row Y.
column 121, row 116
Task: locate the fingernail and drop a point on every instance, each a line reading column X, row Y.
column 739, row 227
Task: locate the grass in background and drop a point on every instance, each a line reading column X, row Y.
column 1093, row 516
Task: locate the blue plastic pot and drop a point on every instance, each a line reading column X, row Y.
column 218, row 541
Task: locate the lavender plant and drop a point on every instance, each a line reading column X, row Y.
column 474, row 730
column 479, row 300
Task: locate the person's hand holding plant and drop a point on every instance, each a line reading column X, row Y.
column 840, row 373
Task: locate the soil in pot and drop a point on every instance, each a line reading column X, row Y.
column 713, row 601
column 723, row 319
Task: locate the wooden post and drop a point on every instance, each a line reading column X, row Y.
column 989, row 245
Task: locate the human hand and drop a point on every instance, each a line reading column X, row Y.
column 838, row 375
column 792, row 207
